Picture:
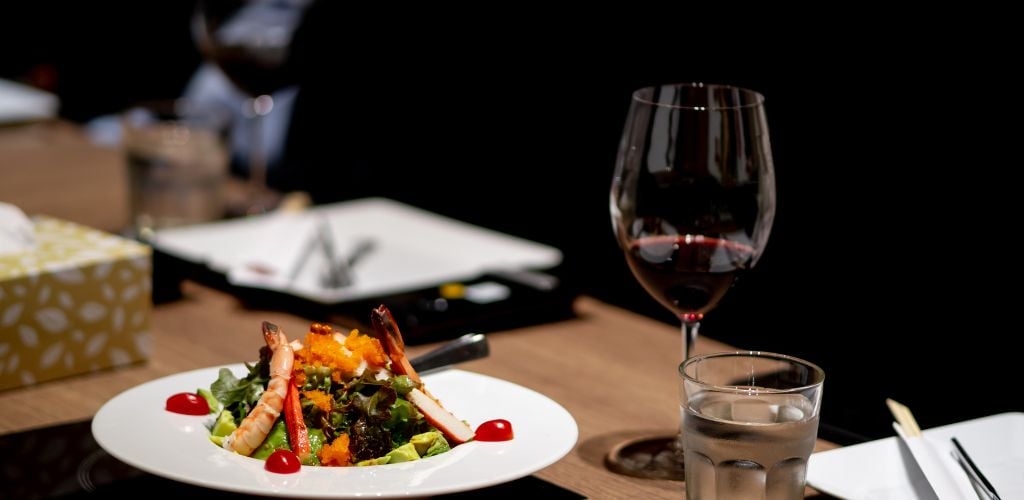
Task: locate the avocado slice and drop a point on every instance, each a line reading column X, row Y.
column 404, row 453
column 374, row 461
column 224, row 425
column 211, row 401
column 422, row 442
column 276, row 440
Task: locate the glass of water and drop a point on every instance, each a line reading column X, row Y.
column 750, row 421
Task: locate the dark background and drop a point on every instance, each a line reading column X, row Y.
column 892, row 259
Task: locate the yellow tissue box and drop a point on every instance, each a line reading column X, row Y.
column 79, row 302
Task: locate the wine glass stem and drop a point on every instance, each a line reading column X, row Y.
column 257, row 158
column 690, row 329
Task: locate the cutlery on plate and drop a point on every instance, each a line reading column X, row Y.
column 938, row 469
column 981, row 483
column 465, row 348
column 339, row 269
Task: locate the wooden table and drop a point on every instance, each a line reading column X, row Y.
column 583, row 363
column 599, row 350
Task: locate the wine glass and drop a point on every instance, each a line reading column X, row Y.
column 250, row 40
column 692, row 204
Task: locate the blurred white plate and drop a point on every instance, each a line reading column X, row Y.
column 885, row 469
column 412, row 249
column 135, row 428
column 22, row 103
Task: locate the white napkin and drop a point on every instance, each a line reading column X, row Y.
column 947, row 479
column 17, row 233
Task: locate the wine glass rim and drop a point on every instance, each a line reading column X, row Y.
column 757, row 99
column 818, row 372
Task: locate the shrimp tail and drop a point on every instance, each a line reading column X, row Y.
column 390, row 337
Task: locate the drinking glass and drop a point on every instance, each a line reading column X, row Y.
column 692, row 204
column 250, row 41
column 750, row 421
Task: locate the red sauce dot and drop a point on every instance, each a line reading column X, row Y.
column 494, row 430
column 188, row 404
column 283, row 462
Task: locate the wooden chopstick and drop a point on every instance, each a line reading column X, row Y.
column 903, row 417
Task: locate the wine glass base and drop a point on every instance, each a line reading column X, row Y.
column 648, row 458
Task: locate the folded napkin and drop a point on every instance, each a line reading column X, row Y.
column 935, row 459
column 17, row 233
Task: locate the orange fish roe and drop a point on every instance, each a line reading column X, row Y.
column 323, row 350
column 367, row 347
column 320, row 399
column 336, row 454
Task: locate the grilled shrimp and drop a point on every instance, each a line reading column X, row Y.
column 391, row 338
column 257, row 424
column 455, row 430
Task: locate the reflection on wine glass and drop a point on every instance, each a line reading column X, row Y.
column 250, row 41
column 692, row 204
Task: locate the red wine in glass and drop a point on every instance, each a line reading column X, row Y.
column 688, row 274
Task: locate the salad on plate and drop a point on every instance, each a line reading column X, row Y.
column 330, row 399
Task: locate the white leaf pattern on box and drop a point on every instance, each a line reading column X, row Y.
column 44, row 294
column 117, row 319
column 91, row 312
column 143, row 344
column 52, row 319
column 129, row 293
column 51, row 355
column 95, row 345
column 29, row 337
column 65, row 300
column 102, row 271
column 11, row 314
column 119, row 356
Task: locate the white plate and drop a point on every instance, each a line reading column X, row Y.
column 412, row 248
column 885, row 469
column 135, row 428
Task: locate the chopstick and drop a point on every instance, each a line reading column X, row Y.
column 973, row 471
column 903, row 417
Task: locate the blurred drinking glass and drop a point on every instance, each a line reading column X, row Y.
column 177, row 166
